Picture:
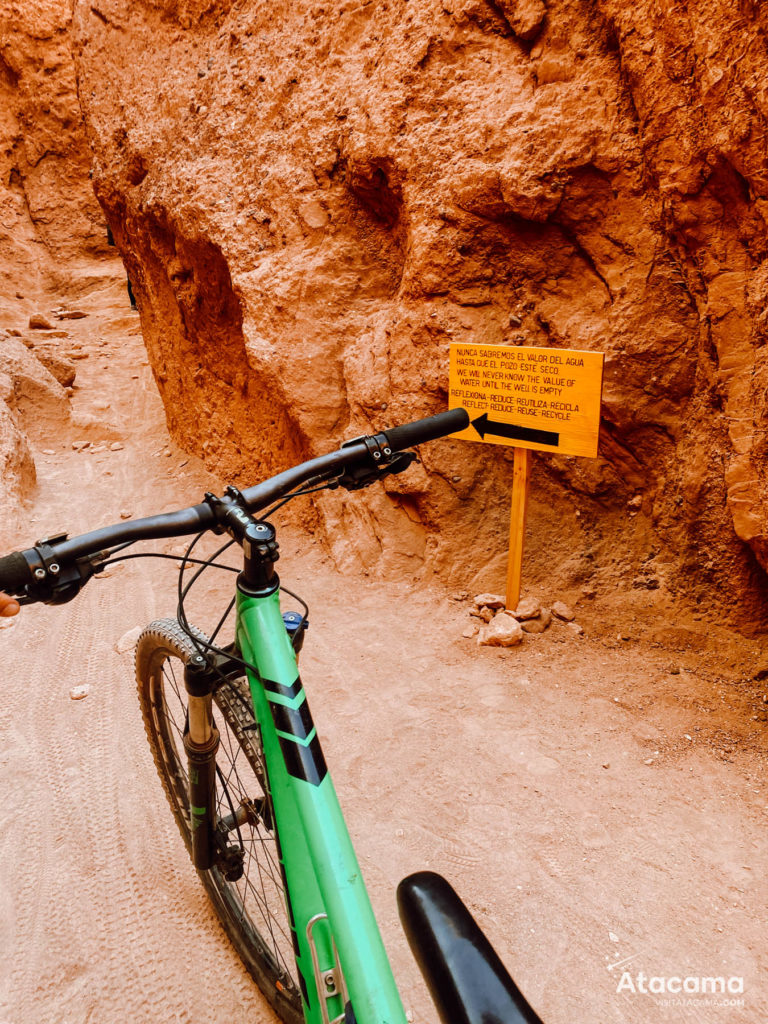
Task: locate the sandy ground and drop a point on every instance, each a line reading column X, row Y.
column 599, row 802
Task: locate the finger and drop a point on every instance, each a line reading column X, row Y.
column 10, row 607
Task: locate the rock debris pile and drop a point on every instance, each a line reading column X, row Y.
column 35, row 381
column 502, row 627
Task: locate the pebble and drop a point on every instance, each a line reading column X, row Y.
column 48, row 451
column 646, row 583
column 116, row 446
column 539, row 624
column 127, row 641
column 38, row 322
column 528, row 608
column 71, row 314
column 471, row 631
column 79, row 446
column 563, row 611
column 576, row 628
column 489, row 601
column 125, row 514
column 503, row 631
column 78, row 692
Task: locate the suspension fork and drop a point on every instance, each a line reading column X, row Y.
column 201, row 742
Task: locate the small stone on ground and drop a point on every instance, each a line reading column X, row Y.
column 502, row 631
column 127, row 641
column 528, row 608
column 489, row 601
column 538, row 624
column 562, row 611
column 38, row 322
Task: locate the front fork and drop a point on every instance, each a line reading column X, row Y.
column 210, row 847
column 201, row 741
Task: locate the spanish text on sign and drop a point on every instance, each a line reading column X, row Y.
column 546, row 399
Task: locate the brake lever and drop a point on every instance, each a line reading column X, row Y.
column 56, row 582
column 364, row 476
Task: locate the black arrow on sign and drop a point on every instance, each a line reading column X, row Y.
column 485, row 426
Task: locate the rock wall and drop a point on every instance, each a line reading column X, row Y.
column 49, row 217
column 314, row 199
column 50, row 227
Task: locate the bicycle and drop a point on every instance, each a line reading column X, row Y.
column 242, row 767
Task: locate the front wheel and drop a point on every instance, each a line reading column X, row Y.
column 252, row 909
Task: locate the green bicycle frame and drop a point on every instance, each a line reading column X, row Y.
column 328, row 906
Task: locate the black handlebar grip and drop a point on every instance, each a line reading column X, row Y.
column 410, row 434
column 15, row 573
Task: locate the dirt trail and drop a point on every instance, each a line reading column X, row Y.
column 593, row 799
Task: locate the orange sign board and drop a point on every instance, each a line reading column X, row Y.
column 544, row 399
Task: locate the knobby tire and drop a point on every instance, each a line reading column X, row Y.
column 252, row 910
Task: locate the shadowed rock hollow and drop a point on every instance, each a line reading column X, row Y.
column 314, row 200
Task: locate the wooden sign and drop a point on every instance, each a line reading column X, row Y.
column 543, row 399
column 533, row 399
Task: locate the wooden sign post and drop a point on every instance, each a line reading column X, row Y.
column 532, row 399
column 520, row 483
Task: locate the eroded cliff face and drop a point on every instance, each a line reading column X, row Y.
column 49, row 217
column 50, row 224
column 314, row 199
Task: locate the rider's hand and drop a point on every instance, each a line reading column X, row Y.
column 8, row 605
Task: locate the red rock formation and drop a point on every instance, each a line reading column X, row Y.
column 50, row 222
column 49, row 218
column 315, row 199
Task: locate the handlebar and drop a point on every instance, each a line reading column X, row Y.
column 55, row 569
